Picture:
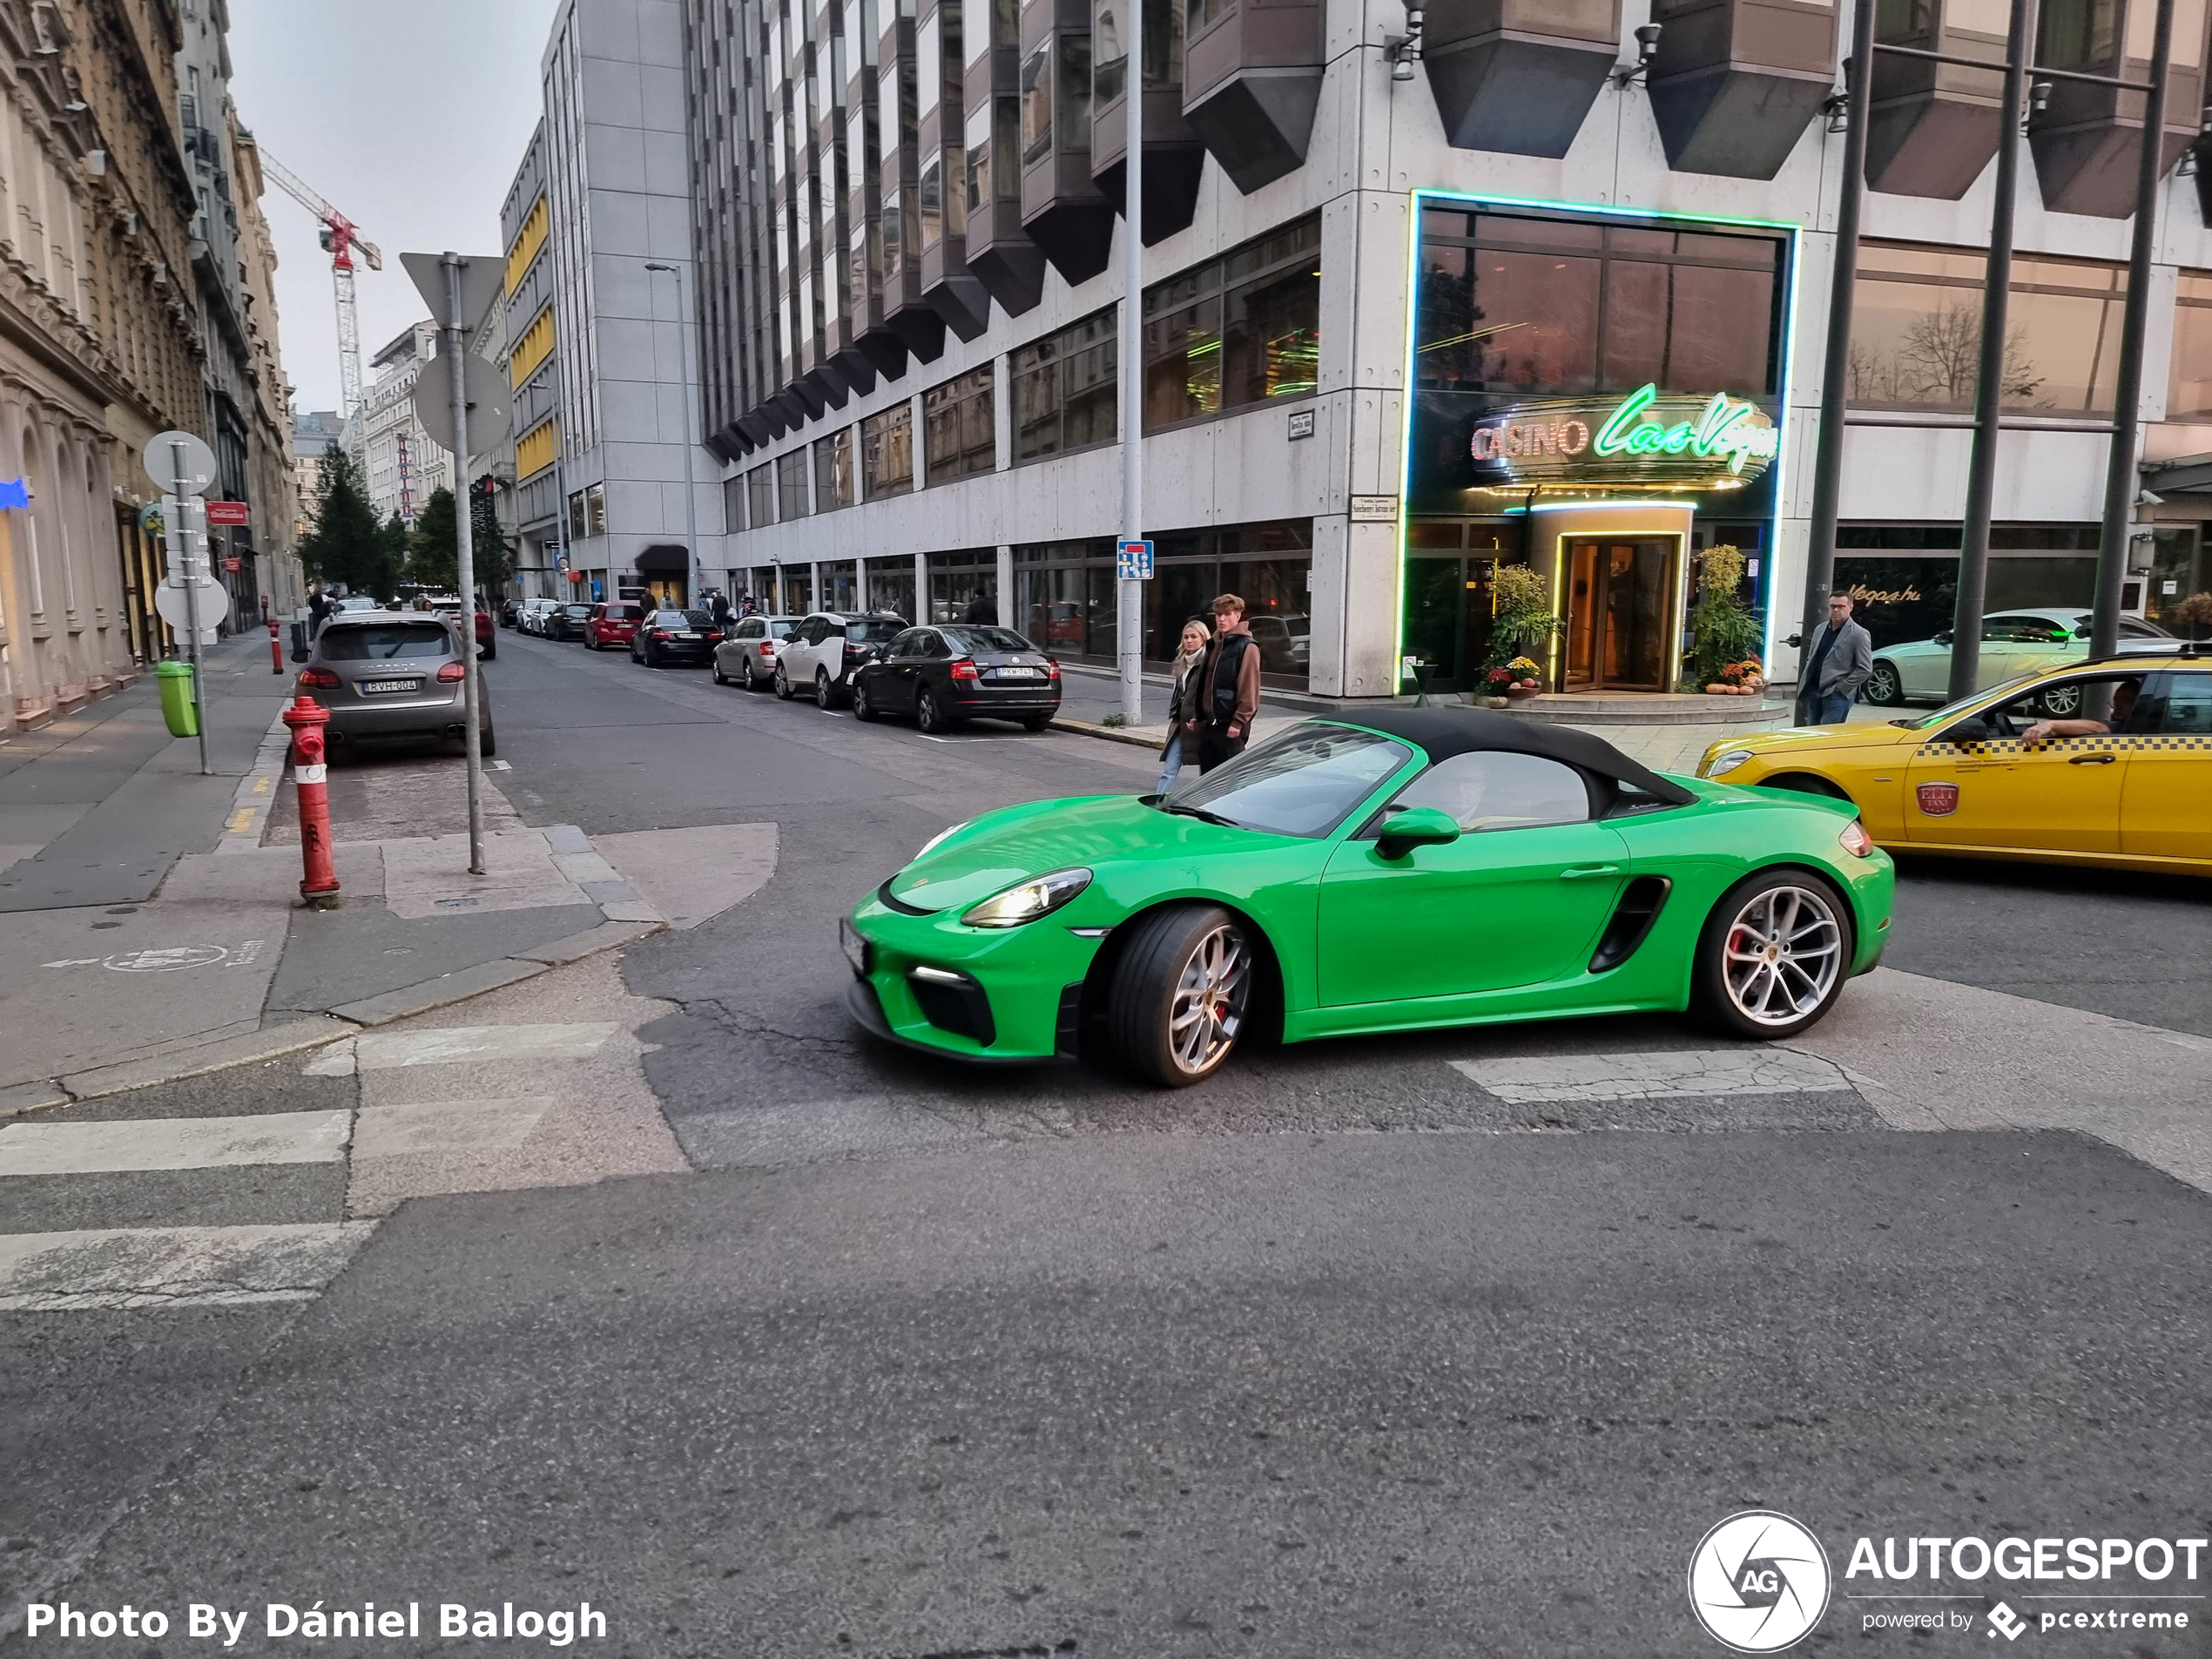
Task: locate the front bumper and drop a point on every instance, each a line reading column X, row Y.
column 1031, row 978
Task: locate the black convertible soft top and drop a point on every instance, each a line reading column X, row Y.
column 1445, row 731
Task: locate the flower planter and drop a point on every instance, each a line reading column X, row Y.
column 1520, row 693
column 1495, row 702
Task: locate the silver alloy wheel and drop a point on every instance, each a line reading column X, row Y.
column 823, row 696
column 1884, row 689
column 1782, row 955
column 1207, row 1011
column 2062, row 702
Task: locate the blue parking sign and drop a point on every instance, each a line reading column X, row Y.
column 1133, row 561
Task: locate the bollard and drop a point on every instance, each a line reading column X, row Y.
column 276, row 649
column 318, row 886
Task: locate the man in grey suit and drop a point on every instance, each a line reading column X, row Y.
column 1841, row 656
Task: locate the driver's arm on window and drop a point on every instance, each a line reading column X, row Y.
column 2043, row 730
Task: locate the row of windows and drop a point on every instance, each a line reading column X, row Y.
column 1538, row 307
column 1227, row 335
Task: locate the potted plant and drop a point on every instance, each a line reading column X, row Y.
column 1496, row 687
column 1726, row 634
column 1521, row 630
column 2195, row 614
column 1740, row 679
column 1524, row 677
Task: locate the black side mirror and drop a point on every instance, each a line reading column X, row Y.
column 1416, row 826
column 1968, row 732
column 1944, row 638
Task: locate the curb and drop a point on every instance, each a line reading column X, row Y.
column 1112, row 734
column 257, row 791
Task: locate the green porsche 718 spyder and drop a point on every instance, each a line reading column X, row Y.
column 1391, row 872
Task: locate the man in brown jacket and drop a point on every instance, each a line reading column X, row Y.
column 1221, row 724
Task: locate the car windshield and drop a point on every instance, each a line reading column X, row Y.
column 873, row 631
column 1303, row 782
column 1950, row 711
column 379, row 643
column 985, row 639
column 578, row 610
column 682, row 620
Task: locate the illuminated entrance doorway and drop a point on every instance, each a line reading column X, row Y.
column 1618, row 613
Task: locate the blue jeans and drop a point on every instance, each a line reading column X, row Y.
column 1832, row 709
column 1171, row 761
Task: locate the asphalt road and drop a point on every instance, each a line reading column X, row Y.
column 1356, row 1350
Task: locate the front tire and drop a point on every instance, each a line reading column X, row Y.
column 1885, row 686
column 782, row 683
column 1773, row 956
column 862, row 709
column 720, row 678
column 1182, row 994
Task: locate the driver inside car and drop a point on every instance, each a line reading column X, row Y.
column 2123, row 703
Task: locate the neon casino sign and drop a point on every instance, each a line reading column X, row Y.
column 1662, row 442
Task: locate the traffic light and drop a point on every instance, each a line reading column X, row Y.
column 485, row 488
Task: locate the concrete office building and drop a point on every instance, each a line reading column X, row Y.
column 596, row 342
column 401, row 468
column 1399, row 331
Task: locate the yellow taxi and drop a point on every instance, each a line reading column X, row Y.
column 2024, row 770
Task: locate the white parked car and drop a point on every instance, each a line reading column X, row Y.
column 824, row 649
column 2012, row 642
column 747, row 653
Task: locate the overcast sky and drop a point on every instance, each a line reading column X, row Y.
column 409, row 117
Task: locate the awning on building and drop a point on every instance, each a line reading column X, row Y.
column 2184, row 475
column 665, row 559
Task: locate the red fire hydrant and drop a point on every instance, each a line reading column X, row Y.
column 318, row 886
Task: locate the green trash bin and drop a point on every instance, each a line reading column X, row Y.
column 176, row 698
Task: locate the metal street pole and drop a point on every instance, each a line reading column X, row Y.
column 1129, row 606
column 188, row 564
column 2121, row 481
column 690, row 494
column 471, row 700
column 1828, row 456
column 1989, row 382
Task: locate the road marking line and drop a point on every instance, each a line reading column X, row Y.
column 1683, row 1074
column 172, row 1144
column 174, row 1266
column 384, row 1050
column 445, row 1126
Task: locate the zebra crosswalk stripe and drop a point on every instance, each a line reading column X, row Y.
column 136, row 1267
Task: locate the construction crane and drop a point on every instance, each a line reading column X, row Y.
column 340, row 239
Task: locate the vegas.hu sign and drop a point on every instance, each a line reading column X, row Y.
column 1671, row 442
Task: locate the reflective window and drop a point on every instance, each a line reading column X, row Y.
column 1546, row 306
column 1235, row 331
column 957, row 421
column 1305, row 782
column 1916, row 331
column 888, row 451
column 2188, row 394
column 834, row 470
column 791, row 499
column 1064, row 389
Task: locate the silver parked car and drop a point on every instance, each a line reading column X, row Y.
column 392, row 674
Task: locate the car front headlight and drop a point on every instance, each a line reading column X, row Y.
column 1724, row 764
column 1039, row 896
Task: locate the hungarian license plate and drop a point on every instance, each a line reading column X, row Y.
column 1019, row 673
column 683, row 634
column 856, row 948
column 370, row 688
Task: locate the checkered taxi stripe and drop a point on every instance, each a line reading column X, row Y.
column 2061, row 745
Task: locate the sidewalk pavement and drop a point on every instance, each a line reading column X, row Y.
column 154, row 925
column 1089, row 697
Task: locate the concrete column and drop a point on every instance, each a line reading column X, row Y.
column 1002, row 412
column 815, row 602
column 1006, row 585
column 921, row 589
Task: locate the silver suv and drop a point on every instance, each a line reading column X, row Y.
column 393, row 674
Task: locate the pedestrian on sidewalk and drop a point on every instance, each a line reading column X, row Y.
column 319, row 609
column 1183, row 695
column 1221, row 724
column 1843, row 656
column 718, row 606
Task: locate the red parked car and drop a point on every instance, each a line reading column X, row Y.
column 614, row 622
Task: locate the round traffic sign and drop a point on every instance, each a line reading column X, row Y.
column 166, row 451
